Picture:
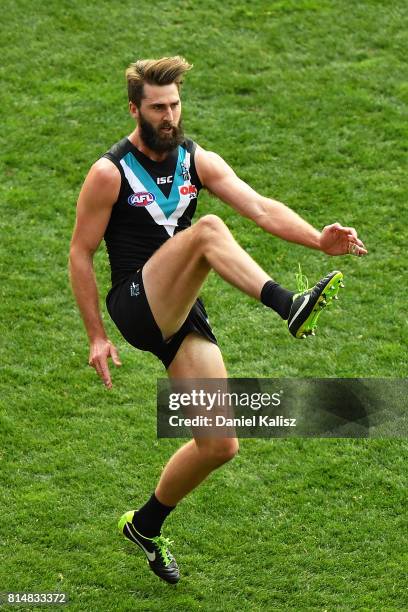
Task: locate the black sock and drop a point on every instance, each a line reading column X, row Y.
column 277, row 298
column 150, row 518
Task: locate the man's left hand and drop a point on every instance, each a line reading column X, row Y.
column 338, row 240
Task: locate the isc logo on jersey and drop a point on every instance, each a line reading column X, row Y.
column 142, row 198
column 164, row 180
column 190, row 190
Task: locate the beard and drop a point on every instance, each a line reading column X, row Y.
column 158, row 140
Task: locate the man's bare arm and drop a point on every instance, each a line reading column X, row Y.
column 272, row 216
column 98, row 194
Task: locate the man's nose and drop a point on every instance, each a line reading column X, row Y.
column 169, row 114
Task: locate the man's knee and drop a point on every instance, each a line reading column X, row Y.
column 209, row 226
column 220, row 451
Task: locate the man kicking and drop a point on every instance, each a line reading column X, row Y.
column 141, row 197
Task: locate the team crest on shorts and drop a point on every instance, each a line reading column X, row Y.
column 134, row 290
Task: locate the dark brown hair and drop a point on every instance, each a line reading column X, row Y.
column 163, row 71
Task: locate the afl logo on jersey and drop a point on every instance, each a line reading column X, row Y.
column 142, row 198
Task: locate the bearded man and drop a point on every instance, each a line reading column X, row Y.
column 141, row 197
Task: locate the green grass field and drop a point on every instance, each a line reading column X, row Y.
column 307, row 100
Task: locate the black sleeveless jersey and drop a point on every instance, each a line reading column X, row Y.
column 156, row 200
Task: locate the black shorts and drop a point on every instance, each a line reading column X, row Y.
column 130, row 311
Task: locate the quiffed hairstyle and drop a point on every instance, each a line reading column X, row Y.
column 164, row 71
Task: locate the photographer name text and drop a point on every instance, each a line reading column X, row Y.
column 254, row 420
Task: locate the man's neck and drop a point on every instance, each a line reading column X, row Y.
column 137, row 141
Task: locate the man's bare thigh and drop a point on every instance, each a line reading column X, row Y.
column 172, row 279
column 197, row 357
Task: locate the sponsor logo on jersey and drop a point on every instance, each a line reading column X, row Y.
column 190, row 190
column 163, row 180
column 141, row 198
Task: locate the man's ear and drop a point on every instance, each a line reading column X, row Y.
column 133, row 110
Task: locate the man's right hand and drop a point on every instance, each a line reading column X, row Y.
column 99, row 353
column 98, row 195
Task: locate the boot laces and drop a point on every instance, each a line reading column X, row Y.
column 302, row 281
column 162, row 544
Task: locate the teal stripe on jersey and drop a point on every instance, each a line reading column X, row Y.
column 168, row 205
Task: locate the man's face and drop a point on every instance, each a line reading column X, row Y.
column 159, row 117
